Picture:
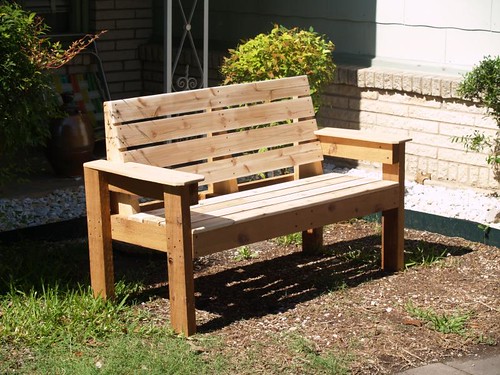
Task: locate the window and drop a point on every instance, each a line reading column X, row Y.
column 63, row 16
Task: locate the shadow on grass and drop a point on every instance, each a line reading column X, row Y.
column 239, row 291
column 31, row 264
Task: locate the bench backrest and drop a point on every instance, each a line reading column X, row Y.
column 225, row 133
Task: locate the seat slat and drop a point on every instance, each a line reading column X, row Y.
column 285, row 203
column 191, row 125
column 270, row 188
column 236, row 201
column 216, row 202
column 214, row 213
column 214, row 205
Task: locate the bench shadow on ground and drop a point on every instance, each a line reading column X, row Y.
column 255, row 288
column 229, row 290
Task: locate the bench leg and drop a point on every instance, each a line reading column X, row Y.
column 312, row 241
column 99, row 234
column 393, row 221
column 393, row 239
column 180, row 260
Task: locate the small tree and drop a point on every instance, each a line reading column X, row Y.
column 483, row 84
column 282, row 53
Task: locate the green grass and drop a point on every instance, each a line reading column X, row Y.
column 68, row 331
column 316, row 362
column 51, row 323
column 244, row 253
column 424, row 255
column 122, row 354
column 290, row 239
column 444, row 323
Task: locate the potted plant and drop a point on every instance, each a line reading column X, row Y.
column 28, row 100
column 283, row 53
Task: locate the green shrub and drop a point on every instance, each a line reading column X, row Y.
column 483, row 84
column 27, row 97
column 282, row 53
column 27, row 100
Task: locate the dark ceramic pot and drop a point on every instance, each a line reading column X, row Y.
column 71, row 143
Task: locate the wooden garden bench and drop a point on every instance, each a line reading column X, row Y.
column 220, row 177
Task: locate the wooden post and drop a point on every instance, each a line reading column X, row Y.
column 180, row 259
column 393, row 220
column 312, row 241
column 99, row 233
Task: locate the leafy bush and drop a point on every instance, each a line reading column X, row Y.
column 27, row 98
column 282, row 53
column 483, row 84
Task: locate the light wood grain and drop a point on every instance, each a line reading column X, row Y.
column 180, row 260
column 133, row 109
column 227, row 236
column 221, row 145
column 144, row 172
column 256, row 163
column 364, row 136
column 196, row 124
column 99, row 234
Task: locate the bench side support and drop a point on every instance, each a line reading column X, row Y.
column 99, row 233
column 180, row 259
column 393, row 220
column 312, row 239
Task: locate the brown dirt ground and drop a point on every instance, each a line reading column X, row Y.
column 340, row 302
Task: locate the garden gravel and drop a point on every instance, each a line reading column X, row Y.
column 65, row 204
column 466, row 204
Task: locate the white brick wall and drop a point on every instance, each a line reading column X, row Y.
column 425, row 108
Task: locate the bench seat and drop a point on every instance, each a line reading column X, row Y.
column 242, row 218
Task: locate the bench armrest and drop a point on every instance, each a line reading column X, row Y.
column 146, row 173
column 141, row 179
column 360, row 145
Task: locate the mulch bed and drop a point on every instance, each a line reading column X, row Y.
column 340, row 302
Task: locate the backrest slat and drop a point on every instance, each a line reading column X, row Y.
column 133, row 109
column 196, row 150
column 252, row 164
column 164, row 129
